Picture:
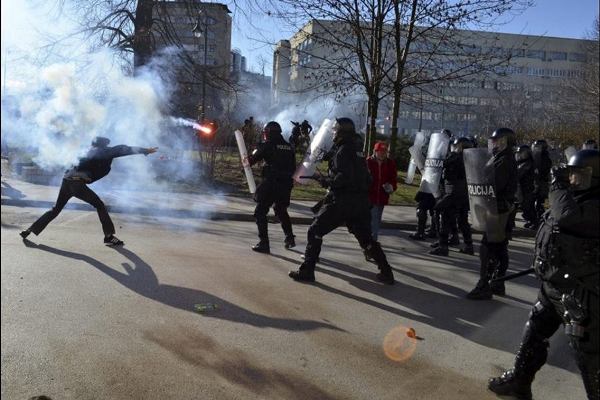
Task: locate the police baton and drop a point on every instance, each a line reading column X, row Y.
column 315, row 178
column 513, row 276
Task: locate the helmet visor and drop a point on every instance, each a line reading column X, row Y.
column 580, row 178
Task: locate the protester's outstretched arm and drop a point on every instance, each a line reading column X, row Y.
column 124, row 150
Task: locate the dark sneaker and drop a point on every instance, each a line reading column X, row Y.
column 467, row 249
column 25, row 233
column 387, row 278
column 509, row 385
column 302, row 276
column 416, row 236
column 454, row 240
column 112, row 240
column 289, row 242
column 481, row 292
column 262, row 247
column 439, row 251
column 434, row 245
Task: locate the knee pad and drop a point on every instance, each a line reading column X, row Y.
column 541, row 324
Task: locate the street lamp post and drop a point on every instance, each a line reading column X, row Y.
column 199, row 30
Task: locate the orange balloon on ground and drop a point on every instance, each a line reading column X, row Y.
column 399, row 345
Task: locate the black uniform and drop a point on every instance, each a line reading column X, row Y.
column 346, row 203
column 525, row 194
column 276, row 186
column 543, row 164
column 494, row 254
column 454, row 205
column 94, row 166
column 567, row 262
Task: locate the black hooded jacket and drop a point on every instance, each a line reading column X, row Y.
column 97, row 162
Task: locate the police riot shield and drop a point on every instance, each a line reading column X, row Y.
column 244, row 156
column 570, row 152
column 410, row 174
column 434, row 163
column 417, row 152
column 319, row 146
column 479, row 169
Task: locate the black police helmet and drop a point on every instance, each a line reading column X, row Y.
column 590, row 144
column 100, row 141
column 541, row 143
column 502, row 132
column 461, row 143
column 343, row 128
column 270, row 130
column 447, row 132
column 585, row 165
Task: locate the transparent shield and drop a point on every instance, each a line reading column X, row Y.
column 319, row 146
column 434, row 163
column 416, row 150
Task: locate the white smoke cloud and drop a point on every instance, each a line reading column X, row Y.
column 57, row 108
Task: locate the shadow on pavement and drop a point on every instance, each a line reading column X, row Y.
column 11, row 192
column 141, row 279
column 236, row 366
column 493, row 324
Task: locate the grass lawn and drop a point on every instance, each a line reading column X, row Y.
column 230, row 178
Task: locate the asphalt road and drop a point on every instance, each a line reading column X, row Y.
column 84, row 321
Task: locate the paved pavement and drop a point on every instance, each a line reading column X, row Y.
column 83, row 321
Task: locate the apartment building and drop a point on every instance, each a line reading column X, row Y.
column 522, row 74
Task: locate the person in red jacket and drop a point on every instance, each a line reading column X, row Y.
column 383, row 171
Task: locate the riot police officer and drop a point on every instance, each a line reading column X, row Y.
column 525, row 174
column 276, row 187
column 346, row 202
column 500, row 170
column 454, row 205
column 566, row 261
column 543, row 164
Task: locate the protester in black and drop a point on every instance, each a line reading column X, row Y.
column 95, row 165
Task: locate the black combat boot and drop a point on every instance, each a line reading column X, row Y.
column 289, row 242
column 306, row 273
column 482, row 291
column 262, row 247
column 385, row 274
column 417, row 236
column 467, row 248
column 439, row 251
column 517, row 381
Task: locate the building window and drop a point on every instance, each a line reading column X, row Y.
column 557, row 55
column 577, row 57
column 539, row 54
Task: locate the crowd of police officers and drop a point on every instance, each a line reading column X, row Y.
column 566, row 254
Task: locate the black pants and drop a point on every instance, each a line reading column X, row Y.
column 425, row 205
column 492, row 251
column 355, row 214
column 81, row 191
column 451, row 217
column 544, row 320
column 276, row 194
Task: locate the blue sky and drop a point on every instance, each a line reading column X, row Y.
column 560, row 18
